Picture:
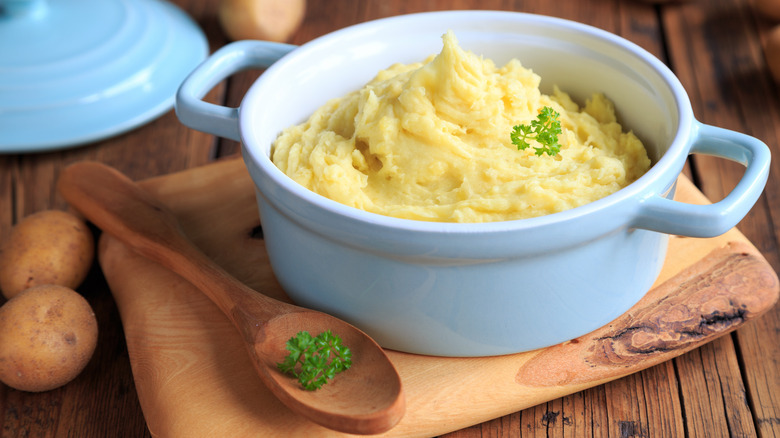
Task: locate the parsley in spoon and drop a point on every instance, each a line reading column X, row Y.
column 315, row 360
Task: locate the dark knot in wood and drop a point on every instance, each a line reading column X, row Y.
column 712, row 297
column 710, row 304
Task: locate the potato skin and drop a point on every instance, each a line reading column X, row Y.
column 48, row 247
column 49, row 334
column 271, row 20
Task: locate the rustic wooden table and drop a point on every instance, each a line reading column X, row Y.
column 729, row 387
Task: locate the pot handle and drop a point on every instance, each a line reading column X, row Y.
column 658, row 213
column 219, row 120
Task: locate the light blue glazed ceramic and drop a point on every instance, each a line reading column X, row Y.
column 78, row 71
column 473, row 289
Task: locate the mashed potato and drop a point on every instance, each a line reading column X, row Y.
column 431, row 141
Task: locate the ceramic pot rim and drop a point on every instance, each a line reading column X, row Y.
column 666, row 168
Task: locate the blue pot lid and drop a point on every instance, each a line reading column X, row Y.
column 78, row 71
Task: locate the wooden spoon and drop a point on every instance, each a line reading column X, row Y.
column 365, row 399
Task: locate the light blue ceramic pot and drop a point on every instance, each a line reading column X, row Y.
column 473, row 289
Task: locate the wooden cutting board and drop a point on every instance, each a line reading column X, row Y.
column 194, row 378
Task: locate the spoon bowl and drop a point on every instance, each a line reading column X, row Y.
column 365, row 399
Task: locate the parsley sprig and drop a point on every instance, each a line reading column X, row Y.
column 315, row 360
column 544, row 130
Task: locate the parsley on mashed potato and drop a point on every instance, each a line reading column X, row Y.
column 430, row 141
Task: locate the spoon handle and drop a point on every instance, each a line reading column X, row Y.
column 120, row 207
column 370, row 397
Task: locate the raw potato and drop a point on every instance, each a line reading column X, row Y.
column 48, row 247
column 49, row 334
column 270, row 20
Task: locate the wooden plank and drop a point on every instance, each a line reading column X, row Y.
column 762, row 359
column 662, row 403
column 6, row 197
column 717, row 53
column 762, row 378
column 704, row 398
column 624, row 404
column 735, row 405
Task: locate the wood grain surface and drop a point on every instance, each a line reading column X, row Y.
column 728, row 387
column 708, row 287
